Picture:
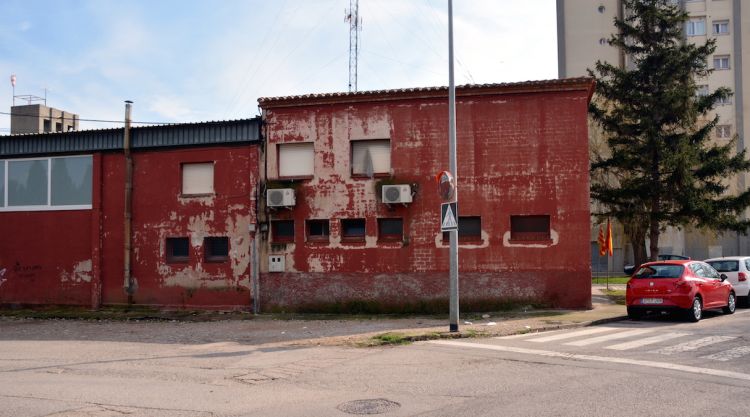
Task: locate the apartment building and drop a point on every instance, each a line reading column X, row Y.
column 583, row 30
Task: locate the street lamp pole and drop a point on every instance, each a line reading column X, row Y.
column 453, row 169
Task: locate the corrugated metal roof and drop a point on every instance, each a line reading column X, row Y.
column 468, row 89
column 145, row 137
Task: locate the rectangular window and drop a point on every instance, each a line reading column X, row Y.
column 721, row 27
column 296, row 160
column 723, row 131
column 178, row 249
column 71, row 181
column 469, row 229
column 58, row 127
column 197, row 178
column 282, row 231
column 530, row 228
column 318, row 230
column 353, row 230
column 371, row 157
column 723, row 101
column 216, row 249
column 60, row 183
column 696, row 26
column 721, row 62
column 701, row 90
column 47, row 125
column 390, row 229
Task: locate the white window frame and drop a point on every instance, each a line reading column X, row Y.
column 381, row 159
column 183, row 180
column 724, row 102
column 720, row 59
column 701, row 90
column 718, row 25
column 5, row 166
column 690, row 26
column 724, row 131
column 298, row 161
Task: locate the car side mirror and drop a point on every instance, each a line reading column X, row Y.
column 723, row 277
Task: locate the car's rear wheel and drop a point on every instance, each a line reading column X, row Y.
column 695, row 313
column 731, row 304
column 634, row 313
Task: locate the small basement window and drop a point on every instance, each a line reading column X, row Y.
column 318, row 230
column 371, row 157
column 197, row 179
column 178, row 249
column 216, row 249
column 390, row 229
column 296, row 160
column 353, row 230
column 469, row 229
column 282, row 231
column 530, row 228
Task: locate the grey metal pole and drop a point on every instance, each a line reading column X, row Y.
column 454, row 170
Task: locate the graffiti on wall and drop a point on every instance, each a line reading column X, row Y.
column 26, row 271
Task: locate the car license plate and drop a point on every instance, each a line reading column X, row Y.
column 651, row 301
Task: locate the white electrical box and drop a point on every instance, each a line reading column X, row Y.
column 276, row 263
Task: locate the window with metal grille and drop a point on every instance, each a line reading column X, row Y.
column 282, row 231
column 216, row 249
column 178, row 249
column 390, row 229
column 353, row 230
column 530, row 227
column 469, row 229
column 318, row 230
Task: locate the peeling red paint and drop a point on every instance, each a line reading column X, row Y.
column 517, row 154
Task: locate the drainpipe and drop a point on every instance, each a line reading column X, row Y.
column 127, row 278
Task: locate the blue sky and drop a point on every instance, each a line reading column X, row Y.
column 197, row 60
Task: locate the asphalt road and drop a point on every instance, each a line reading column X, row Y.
column 656, row 367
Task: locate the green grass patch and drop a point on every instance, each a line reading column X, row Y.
column 612, row 280
column 617, row 296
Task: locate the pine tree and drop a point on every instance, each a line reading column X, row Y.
column 660, row 167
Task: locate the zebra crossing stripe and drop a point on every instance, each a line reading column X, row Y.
column 730, row 354
column 571, row 335
column 608, row 337
column 647, row 341
column 693, row 345
column 606, row 359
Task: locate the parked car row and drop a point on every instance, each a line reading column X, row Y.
column 688, row 286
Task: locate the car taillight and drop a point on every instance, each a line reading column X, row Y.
column 741, row 277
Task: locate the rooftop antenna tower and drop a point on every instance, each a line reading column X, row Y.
column 355, row 26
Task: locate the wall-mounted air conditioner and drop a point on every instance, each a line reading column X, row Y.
column 393, row 194
column 280, row 197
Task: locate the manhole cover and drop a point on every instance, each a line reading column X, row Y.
column 373, row 406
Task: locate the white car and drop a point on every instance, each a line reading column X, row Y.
column 737, row 270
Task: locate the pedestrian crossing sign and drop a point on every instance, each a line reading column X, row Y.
column 448, row 217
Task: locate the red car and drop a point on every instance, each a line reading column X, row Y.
column 684, row 285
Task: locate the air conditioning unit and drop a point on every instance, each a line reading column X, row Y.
column 393, row 194
column 280, row 197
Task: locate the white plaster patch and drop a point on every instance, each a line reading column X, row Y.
column 439, row 243
column 189, row 277
column 2, row 276
column 199, row 227
column 81, row 273
column 553, row 234
column 207, row 201
column 239, row 253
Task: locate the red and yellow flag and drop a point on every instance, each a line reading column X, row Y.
column 609, row 238
column 602, row 241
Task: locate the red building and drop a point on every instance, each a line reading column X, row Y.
column 62, row 216
column 353, row 213
column 342, row 198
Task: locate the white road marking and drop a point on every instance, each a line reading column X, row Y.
column 647, row 341
column 529, row 334
column 608, row 337
column 563, row 355
column 693, row 345
column 730, row 354
column 571, row 335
